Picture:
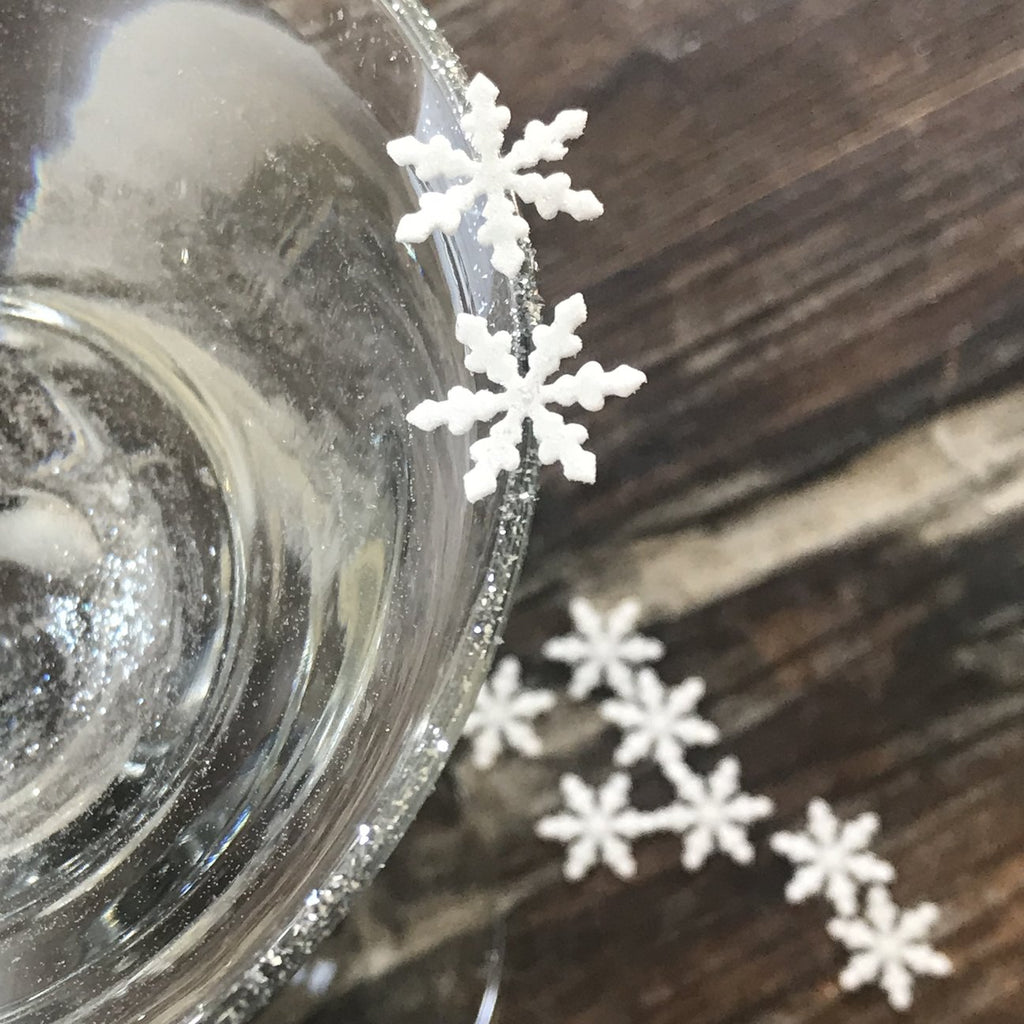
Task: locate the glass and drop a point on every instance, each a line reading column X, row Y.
column 243, row 606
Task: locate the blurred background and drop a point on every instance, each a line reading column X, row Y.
column 813, row 247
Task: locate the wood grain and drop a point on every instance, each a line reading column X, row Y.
column 814, row 247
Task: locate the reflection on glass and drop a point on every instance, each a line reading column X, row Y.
column 233, row 584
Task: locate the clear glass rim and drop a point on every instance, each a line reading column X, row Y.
column 419, row 766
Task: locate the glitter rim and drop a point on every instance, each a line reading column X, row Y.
column 417, row 770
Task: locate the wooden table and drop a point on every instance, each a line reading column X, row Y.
column 813, row 247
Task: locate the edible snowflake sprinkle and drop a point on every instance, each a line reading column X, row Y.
column 658, row 721
column 832, row 858
column 889, row 947
column 603, row 648
column 711, row 813
column 316, row 977
column 526, row 398
column 504, row 714
column 497, row 177
column 598, row 826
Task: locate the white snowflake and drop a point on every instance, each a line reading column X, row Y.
column 316, row 977
column 659, row 721
column 526, row 398
column 503, row 715
column 889, row 946
column 832, row 858
column 603, row 648
column 497, row 177
column 712, row 813
column 597, row 826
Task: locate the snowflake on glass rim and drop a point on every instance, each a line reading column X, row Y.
column 526, row 398
column 889, row 946
column 604, row 648
column 659, row 722
column 597, row 826
column 503, row 716
column 832, row 858
column 316, row 977
column 712, row 813
column 497, row 177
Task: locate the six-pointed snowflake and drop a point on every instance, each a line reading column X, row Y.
column 503, row 715
column 316, row 977
column 597, row 826
column 832, row 858
column 658, row 721
column 526, row 397
column 603, row 648
column 493, row 175
column 889, row 946
column 712, row 813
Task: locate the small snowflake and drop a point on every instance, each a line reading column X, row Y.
column 659, row 721
column 497, row 177
column 889, row 946
column 503, row 715
column 603, row 648
column 526, row 398
column 598, row 826
column 712, row 813
column 832, row 858
column 316, row 977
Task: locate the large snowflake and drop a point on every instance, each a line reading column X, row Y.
column 832, row 857
column 504, row 714
column 659, row 722
column 604, row 648
column 493, row 175
column 526, row 397
column 597, row 826
column 889, row 946
column 712, row 813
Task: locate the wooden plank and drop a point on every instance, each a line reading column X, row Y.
column 797, row 332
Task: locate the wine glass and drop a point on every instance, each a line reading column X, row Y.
column 244, row 607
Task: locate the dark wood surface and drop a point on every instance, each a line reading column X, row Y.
column 814, row 246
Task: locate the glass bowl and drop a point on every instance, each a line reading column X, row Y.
column 244, row 607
